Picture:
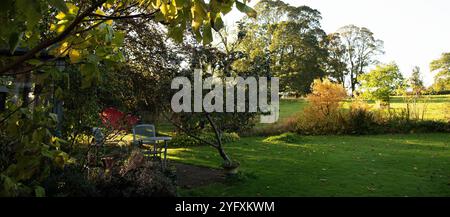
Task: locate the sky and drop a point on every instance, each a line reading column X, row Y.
column 415, row 32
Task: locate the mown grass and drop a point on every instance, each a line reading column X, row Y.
column 383, row 165
column 292, row 165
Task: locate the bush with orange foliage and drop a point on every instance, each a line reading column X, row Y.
column 322, row 115
column 326, row 96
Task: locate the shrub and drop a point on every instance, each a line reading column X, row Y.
column 313, row 123
column 286, row 125
column 183, row 140
column 134, row 177
column 325, row 97
column 138, row 177
column 6, row 152
column 69, row 182
column 360, row 119
column 401, row 126
column 322, row 115
column 29, row 151
column 431, row 126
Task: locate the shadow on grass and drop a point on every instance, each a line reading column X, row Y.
column 387, row 165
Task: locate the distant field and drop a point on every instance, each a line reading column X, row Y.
column 437, row 107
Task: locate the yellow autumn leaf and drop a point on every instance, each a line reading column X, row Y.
column 60, row 28
column 156, row 4
column 173, row 9
column 100, row 12
column 197, row 21
column 74, row 56
column 28, row 34
column 164, row 9
column 60, row 16
column 107, row 5
column 73, row 9
column 62, row 50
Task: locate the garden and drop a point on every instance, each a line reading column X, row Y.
column 88, row 88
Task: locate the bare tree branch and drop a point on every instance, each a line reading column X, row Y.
column 190, row 134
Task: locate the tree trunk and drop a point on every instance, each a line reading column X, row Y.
column 353, row 84
column 219, row 140
column 223, row 154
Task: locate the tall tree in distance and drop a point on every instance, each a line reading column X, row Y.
column 442, row 67
column 415, row 81
column 381, row 83
column 335, row 66
column 361, row 49
column 288, row 42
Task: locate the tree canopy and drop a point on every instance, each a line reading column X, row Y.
column 360, row 51
column 285, row 42
column 83, row 28
column 442, row 68
column 382, row 82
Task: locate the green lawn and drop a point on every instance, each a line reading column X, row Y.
column 290, row 107
column 387, row 165
column 383, row 165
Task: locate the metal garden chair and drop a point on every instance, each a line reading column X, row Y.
column 143, row 135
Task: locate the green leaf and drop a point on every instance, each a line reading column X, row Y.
column 37, row 136
column 159, row 17
column 207, row 33
column 218, row 23
column 199, row 15
column 9, row 185
column 14, row 41
column 39, row 191
column 118, row 38
column 109, row 34
column 31, row 10
column 246, row 9
column 221, row 6
column 54, row 117
column 59, row 93
column 46, row 152
column 120, row 57
column 34, row 62
column 182, row 3
column 90, row 74
column 176, row 33
column 197, row 34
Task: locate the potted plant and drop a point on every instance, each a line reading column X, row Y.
column 231, row 167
